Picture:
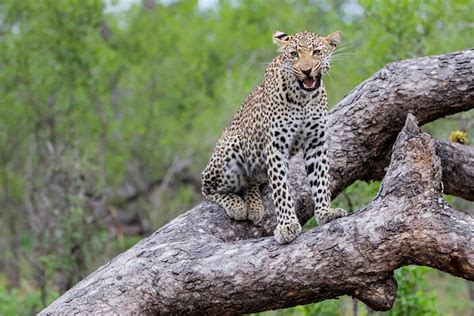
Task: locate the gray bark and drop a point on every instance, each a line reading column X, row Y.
column 457, row 162
column 193, row 270
column 205, row 263
column 363, row 126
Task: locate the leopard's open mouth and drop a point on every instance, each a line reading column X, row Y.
column 310, row 83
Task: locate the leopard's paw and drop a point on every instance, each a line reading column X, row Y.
column 287, row 232
column 255, row 209
column 255, row 215
column 330, row 215
column 237, row 212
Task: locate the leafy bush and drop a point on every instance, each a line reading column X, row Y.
column 413, row 298
column 22, row 301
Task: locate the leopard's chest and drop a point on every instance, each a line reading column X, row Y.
column 298, row 125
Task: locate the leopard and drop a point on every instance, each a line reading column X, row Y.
column 285, row 114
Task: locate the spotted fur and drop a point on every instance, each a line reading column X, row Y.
column 286, row 113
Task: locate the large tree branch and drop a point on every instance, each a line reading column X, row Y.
column 458, row 168
column 363, row 126
column 175, row 264
column 182, row 271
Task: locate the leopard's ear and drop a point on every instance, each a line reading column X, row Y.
column 334, row 38
column 280, row 39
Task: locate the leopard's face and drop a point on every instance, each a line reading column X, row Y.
column 307, row 56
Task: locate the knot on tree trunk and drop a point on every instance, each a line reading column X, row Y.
column 379, row 296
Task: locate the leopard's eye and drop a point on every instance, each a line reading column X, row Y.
column 294, row 54
column 316, row 52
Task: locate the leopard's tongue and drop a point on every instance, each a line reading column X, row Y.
column 309, row 83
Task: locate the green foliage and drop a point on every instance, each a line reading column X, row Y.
column 326, row 308
column 329, row 308
column 127, row 242
column 357, row 195
column 21, row 301
column 413, row 297
column 354, row 197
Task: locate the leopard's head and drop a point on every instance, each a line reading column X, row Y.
column 307, row 55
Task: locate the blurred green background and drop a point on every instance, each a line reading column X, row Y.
column 109, row 111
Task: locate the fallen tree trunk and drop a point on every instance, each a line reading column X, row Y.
column 203, row 262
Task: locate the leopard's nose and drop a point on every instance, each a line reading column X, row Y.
column 307, row 72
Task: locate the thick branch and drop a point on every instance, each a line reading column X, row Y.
column 182, row 271
column 458, row 168
column 457, row 162
column 363, row 126
column 204, row 262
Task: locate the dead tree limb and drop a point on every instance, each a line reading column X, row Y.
column 206, row 263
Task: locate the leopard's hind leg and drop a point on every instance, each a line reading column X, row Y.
column 224, row 177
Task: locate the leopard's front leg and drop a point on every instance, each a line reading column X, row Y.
column 288, row 226
column 317, row 168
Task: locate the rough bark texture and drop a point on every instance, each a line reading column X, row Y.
column 458, row 168
column 202, row 262
column 363, row 126
column 193, row 270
